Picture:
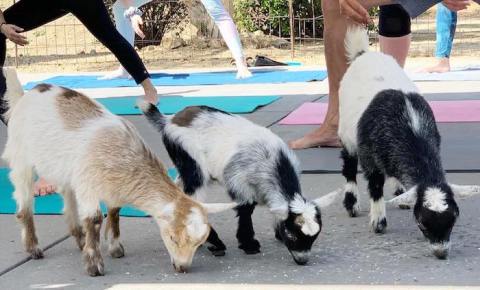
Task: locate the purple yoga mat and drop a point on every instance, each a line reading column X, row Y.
column 444, row 111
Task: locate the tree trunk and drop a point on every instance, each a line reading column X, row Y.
column 200, row 19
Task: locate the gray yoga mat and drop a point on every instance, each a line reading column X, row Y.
column 436, row 97
column 472, row 74
column 460, row 149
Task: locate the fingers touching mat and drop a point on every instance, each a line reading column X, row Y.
column 172, row 105
column 50, row 204
column 444, row 111
column 193, row 79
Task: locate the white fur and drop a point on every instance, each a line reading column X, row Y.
column 414, row 117
column 377, row 211
column 307, row 209
column 356, row 42
column 196, row 226
column 434, row 199
column 360, row 85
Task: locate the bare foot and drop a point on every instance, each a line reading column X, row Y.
column 442, row 66
column 243, row 72
column 323, row 137
column 42, row 187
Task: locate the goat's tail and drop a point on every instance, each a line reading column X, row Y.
column 10, row 90
column 154, row 116
column 356, row 42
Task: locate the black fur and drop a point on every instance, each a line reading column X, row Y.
column 245, row 233
column 3, row 101
column 155, row 117
column 349, row 171
column 188, row 169
column 389, row 145
column 386, row 143
column 287, row 177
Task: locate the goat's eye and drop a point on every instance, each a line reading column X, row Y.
column 173, row 240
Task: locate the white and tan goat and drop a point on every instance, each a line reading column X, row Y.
column 92, row 155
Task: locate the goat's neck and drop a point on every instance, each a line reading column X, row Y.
column 156, row 200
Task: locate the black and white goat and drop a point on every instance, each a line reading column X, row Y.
column 252, row 163
column 388, row 126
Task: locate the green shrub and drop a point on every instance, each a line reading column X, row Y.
column 271, row 16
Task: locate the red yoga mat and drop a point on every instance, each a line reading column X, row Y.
column 444, row 111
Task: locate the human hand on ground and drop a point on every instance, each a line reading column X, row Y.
column 12, row 32
column 137, row 23
column 456, row 5
column 354, row 10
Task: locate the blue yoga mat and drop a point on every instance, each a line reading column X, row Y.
column 53, row 203
column 179, row 79
column 172, row 105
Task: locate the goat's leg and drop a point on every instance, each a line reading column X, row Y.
column 91, row 216
column 349, row 171
column 23, row 180
column 71, row 214
column 378, row 219
column 112, row 231
column 399, row 190
column 245, row 233
column 217, row 247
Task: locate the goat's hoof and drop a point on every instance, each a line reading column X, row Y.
column 379, row 226
column 117, row 252
column 350, row 203
column 217, row 251
column 36, row 253
column 251, row 247
column 93, row 262
column 278, row 237
column 353, row 212
column 403, row 206
column 94, row 270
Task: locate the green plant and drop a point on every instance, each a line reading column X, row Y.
column 271, row 16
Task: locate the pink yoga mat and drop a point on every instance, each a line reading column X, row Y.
column 444, row 111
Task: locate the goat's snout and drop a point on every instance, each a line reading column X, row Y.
column 440, row 250
column 180, row 268
column 301, row 258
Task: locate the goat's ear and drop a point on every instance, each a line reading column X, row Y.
column 464, row 190
column 166, row 214
column 218, row 207
column 406, row 198
column 327, row 199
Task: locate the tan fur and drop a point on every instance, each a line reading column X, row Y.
column 75, row 108
column 30, row 241
column 42, row 87
column 113, row 223
column 91, row 251
column 185, row 117
column 127, row 170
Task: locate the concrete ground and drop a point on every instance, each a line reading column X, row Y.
column 346, row 252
